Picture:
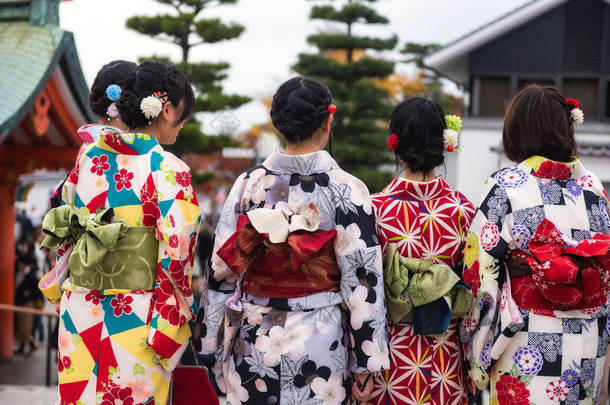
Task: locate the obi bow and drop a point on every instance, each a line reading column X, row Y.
column 427, row 293
column 92, row 236
column 567, row 274
column 263, row 226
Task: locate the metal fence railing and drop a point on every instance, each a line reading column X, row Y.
column 50, row 316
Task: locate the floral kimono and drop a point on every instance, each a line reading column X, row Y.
column 295, row 299
column 537, row 260
column 125, row 238
column 422, row 220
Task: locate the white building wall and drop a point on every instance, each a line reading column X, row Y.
column 468, row 169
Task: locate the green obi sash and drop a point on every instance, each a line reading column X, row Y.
column 105, row 255
column 413, row 284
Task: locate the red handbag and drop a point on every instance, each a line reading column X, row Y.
column 191, row 386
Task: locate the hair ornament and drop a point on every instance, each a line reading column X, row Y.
column 151, row 106
column 451, row 134
column 113, row 92
column 112, row 111
column 332, row 108
column 393, row 142
column 575, row 112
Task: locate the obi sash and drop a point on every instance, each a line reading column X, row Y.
column 422, row 292
column 285, row 254
column 105, row 255
column 560, row 273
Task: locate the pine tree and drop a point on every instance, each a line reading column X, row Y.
column 187, row 29
column 363, row 108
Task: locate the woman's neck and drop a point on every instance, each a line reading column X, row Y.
column 418, row 176
column 302, row 148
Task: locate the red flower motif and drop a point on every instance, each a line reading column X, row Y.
column 166, row 303
column 573, row 103
column 553, row 170
column 117, row 395
column 121, row 304
column 150, row 200
column 173, row 241
column 64, row 249
column 511, row 391
column 60, row 365
column 67, row 362
column 123, row 180
column 73, row 176
column 176, row 269
column 183, row 178
column 472, row 276
column 95, row 296
column 100, row 164
column 393, row 142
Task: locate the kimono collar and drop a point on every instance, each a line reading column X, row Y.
column 127, row 143
column 309, row 163
column 403, row 189
column 540, row 166
column 90, row 133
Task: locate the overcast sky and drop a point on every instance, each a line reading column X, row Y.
column 276, row 32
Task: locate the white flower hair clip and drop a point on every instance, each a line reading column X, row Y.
column 451, row 134
column 151, row 106
column 575, row 112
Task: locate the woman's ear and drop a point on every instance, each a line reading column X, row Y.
column 166, row 111
column 326, row 124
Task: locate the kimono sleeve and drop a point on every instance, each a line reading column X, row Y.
column 220, row 278
column 51, row 282
column 485, row 256
column 176, row 229
column 360, row 262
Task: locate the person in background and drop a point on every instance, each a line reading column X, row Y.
column 537, row 259
column 27, row 295
column 422, row 224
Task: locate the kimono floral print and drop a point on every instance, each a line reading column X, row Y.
column 527, row 349
column 297, row 344
column 426, row 220
column 119, row 345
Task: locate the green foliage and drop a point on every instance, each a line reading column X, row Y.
column 187, row 29
column 359, row 133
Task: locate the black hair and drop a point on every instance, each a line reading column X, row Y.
column 111, row 73
column 419, row 124
column 299, row 107
column 149, row 77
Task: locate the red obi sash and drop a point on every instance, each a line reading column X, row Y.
column 303, row 265
column 560, row 276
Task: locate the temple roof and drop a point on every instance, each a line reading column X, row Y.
column 32, row 49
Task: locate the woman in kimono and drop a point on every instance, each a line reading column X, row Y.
column 537, row 260
column 422, row 224
column 295, row 300
column 125, row 238
column 102, row 100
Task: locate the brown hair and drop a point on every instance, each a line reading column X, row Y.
column 538, row 122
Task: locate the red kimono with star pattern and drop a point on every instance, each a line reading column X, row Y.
column 427, row 220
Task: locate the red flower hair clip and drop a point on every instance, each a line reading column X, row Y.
column 393, row 142
column 332, row 108
column 575, row 112
column 572, row 102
